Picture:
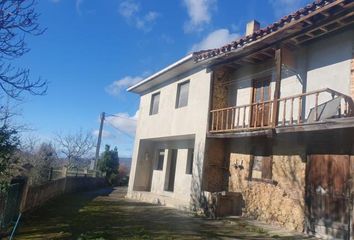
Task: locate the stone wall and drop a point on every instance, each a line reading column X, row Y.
column 280, row 203
column 35, row 196
column 214, row 166
column 220, row 91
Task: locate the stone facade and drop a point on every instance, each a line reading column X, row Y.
column 281, row 202
column 214, row 166
column 220, row 91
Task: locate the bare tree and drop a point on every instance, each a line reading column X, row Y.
column 18, row 18
column 75, row 147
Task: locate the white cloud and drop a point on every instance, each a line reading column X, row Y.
column 105, row 134
column 122, row 84
column 124, row 123
column 215, row 39
column 131, row 11
column 199, row 12
column 285, row 7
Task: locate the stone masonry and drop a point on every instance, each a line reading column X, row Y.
column 281, row 202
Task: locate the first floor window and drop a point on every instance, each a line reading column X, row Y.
column 154, row 105
column 160, row 159
column 261, row 167
column 182, row 94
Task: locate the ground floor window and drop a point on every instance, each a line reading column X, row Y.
column 261, row 168
column 160, row 159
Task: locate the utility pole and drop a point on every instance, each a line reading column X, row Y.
column 99, row 140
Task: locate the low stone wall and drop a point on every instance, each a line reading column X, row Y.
column 281, row 203
column 35, row 196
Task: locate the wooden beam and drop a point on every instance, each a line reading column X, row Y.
column 278, row 64
column 267, row 53
column 257, row 56
column 247, row 60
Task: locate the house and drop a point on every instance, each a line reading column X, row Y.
column 263, row 126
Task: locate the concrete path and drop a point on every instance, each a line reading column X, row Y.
column 106, row 214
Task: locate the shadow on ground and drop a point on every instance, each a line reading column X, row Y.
column 105, row 214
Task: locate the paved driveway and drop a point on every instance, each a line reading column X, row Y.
column 105, row 214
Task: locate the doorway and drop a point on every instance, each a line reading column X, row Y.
column 328, row 195
column 171, row 173
column 260, row 111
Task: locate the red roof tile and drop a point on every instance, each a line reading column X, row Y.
column 276, row 26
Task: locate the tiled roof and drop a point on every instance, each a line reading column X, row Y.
column 276, row 26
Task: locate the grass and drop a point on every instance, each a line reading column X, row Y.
column 104, row 215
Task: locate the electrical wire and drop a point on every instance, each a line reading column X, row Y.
column 114, row 115
column 124, row 133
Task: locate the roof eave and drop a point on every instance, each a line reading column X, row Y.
column 161, row 72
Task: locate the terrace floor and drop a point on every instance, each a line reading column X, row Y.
column 106, row 214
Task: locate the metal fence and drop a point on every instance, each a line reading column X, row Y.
column 57, row 173
column 10, row 204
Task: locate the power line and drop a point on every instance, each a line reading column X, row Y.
column 114, row 115
column 124, row 133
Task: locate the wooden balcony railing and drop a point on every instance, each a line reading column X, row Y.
column 305, row 108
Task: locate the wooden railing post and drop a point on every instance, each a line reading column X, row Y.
column 278, row 64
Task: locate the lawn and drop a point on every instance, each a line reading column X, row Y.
column 106, row 214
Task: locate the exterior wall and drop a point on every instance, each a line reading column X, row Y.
column 171, row 123
column 182, row 186
column 281, row 203
column 214, row 166
column 315, row 66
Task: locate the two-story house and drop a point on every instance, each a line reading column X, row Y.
column 266, row 121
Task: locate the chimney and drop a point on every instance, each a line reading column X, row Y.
column 251, row 27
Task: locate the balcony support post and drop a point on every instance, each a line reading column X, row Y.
column 278, row 66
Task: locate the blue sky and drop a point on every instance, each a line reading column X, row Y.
column 93, row 50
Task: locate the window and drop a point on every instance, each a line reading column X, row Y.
column 182, row 94
column 154, row 105
column 262, row 167
column 190, row 156
column 160, row 159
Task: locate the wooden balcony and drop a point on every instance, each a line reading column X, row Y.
column 298, row 110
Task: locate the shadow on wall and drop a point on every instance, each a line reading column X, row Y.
column 199, row 200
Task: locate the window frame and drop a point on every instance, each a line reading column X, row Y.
column 159, row 165
column 152, row 103
column 265, row 170
column 177, row 105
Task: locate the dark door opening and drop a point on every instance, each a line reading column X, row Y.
column 171, row 171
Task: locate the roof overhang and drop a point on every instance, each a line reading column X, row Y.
column 313, row 21
column 179, row 67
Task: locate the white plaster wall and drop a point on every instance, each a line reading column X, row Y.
column 171, row 122
column 240, row 92
column 329, row 63
column 182, row 186
column 323, row 64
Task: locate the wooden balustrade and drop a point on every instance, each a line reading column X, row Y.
column 293, row 110
column 249, row 116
